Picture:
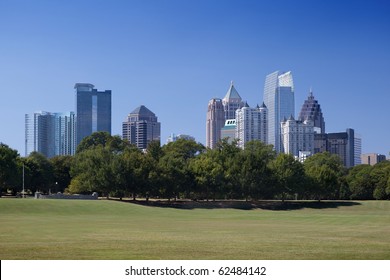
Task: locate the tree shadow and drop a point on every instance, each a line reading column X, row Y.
column 274, row 205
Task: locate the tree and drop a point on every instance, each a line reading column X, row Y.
column 93, row 171
column 360, row 183
column 61, row 172
column 323, row 171
column 9, row 175
column 104, row 139
column 38, row 173
column 254, row 173
column 380, row 177
column 289, row 175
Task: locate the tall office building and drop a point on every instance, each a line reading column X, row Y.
column 231, row 102
column 65, row 133
column 279, row 99
column 251, row 124
column 297, row 137
column 229, row 130
column 39, row 133
column 214, row 122
column 358, row 149
column 341, row 144
column 311, row 110
column 93, row 110
column 50, row 134
column 141, row 127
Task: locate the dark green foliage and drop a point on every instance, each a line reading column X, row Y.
column 185, row 169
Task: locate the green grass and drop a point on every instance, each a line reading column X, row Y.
column 70, row 229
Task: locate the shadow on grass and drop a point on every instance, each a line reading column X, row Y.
column 244, row 205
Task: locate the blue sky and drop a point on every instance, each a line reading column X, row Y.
column 173, row 56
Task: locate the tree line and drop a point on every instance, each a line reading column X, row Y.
column 185, row 169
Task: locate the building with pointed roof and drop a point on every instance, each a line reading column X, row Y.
column 141, row 127
column 311, row 110
column 231, row 102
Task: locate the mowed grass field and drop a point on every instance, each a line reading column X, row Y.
column 103, row 229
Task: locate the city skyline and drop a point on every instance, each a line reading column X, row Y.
column 175, row 56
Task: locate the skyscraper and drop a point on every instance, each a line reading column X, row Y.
column 93, row 110
column 297, row 136
column 311, row 110
column 279, row 99
column 141, row 127
column 214, row 122
column 50, row 134
column 231, row 102
column 251, row 124
column 39, row 133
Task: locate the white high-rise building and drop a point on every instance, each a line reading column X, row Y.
column 251, row 124
column 358, row 149
column 279, row 99
column 297, row 137
column 231, row 102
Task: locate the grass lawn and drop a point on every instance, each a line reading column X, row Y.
column 71, row 229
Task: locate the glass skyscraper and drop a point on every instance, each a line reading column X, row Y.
column 50, row 134
column 279, row 99
column 93, row 110
column 311, row 110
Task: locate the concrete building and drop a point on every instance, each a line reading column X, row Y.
column 341, row 144
column 231, row 102
column 229, row 130
column 279, row 99
column 251, row 124
column 372, row 158
column 214, row 122
column 173, row 137
column 141, row 127
column 297, row 137
column 358, row 149
column 93, row 110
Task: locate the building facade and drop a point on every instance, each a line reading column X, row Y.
column 279, row 99
column 297, row 137
column 251, row 124
column 311, row 110
column 229, row 130
column 214, row 122
column 341, row 144
column 141, row 127
column 372, row 158
column 93, row 110
column 50, row 134
column 231, row 102
column 173, row 137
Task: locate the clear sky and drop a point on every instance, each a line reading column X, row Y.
column 173, row 56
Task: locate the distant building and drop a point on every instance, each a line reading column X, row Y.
column 214, row 122
column 311, row 110
column 358, row 149
column 372, row 158
column 251, row 124
column 341, row 144
column 93, row 110
column 231, row 102
column 141, row 127
column 279, row 99
column 173, row 137
column 50, row 134
column 297, row 137
column 229, row 130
